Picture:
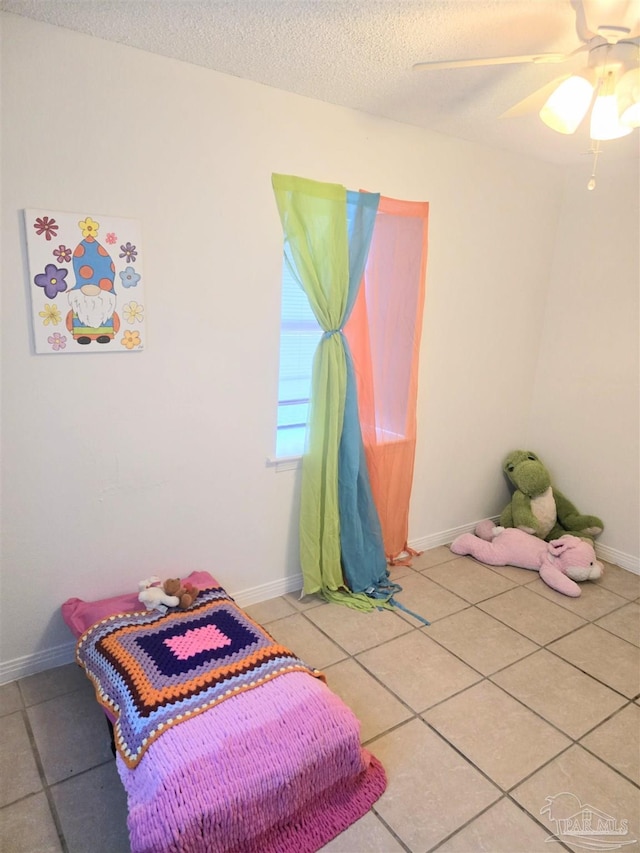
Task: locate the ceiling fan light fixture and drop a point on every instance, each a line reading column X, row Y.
column 628, row 98
column 605, row 123
column 568, row 104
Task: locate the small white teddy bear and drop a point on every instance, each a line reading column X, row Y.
column 154, row 597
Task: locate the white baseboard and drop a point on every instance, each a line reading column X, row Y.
column 256, row 594
column 63, row 654
column 37, row 662
column 445, row 537
column 618, row 558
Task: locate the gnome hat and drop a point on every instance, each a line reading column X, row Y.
column 92, row 264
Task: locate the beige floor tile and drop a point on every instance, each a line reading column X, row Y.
column 54, row 682
column 593, row 602
column 304, row 603
column 604, row 656
column 306, row 641
column 368, row 833
column 98, row 800
column 418, row 670
column 504, row 828
column 502, row 737
column 377, row 709
column 433, row 557
column 427, row 599
column 575, row 780
column 269, row 611
column 480, row 640
column 566, row 697
column 19, row 774
column 27, row 827
column 538, row 619
column 431, row 789
column 355, row 630
column 617, row 741
column 71, row 735
column 624, row 623
column 512, row 573
column 10, row 698
column 396, row 573
column 620, row 581
column 468, row 579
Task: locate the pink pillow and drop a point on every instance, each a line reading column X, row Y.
column 80, row 615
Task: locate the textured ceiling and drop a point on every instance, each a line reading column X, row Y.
column 359, row 53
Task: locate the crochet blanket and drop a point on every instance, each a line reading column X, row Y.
column 152, row 671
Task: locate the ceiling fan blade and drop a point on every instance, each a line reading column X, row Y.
column 535, row 101
column 582, row 27
column 495, row 60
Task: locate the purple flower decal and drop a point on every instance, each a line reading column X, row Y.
column 129, row 277
column 52, row 279
column 129, row 252
column 46, row 226
column 62, row 254
column 57, row 341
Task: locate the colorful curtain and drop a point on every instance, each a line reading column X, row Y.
column 327, row 237
column 384, row 332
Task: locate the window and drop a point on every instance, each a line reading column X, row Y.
column 300, row 334
column 299, row 337
column 395, row 262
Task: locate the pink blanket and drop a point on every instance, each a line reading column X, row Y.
column 278, row 769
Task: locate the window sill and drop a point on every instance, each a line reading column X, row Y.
column 284, row 463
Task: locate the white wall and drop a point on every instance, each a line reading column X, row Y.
column 117, row 467
column 585, row 420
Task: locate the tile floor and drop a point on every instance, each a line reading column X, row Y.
column 515, row 707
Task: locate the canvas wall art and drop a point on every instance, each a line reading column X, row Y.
column 87, row 282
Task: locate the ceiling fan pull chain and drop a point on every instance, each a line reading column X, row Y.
column 596, row 153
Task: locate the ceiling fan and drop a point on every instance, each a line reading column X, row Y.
column 609, row 32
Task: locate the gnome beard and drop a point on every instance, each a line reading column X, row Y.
column 93, row 311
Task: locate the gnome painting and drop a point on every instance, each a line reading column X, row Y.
column 86, row 282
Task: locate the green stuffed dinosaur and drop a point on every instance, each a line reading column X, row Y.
column 539, row 508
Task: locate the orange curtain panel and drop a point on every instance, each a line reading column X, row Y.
column 384, row 335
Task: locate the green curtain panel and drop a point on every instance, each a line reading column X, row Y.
column 327, row 233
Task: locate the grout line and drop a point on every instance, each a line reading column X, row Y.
column 410, row 628
column 537, row 821
column 507, row 798
column 611, row 767
column 389, row 829
column 46, row 788
column 384, row 686
column 594, row 677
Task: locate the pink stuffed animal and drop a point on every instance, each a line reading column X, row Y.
column 560, row 562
